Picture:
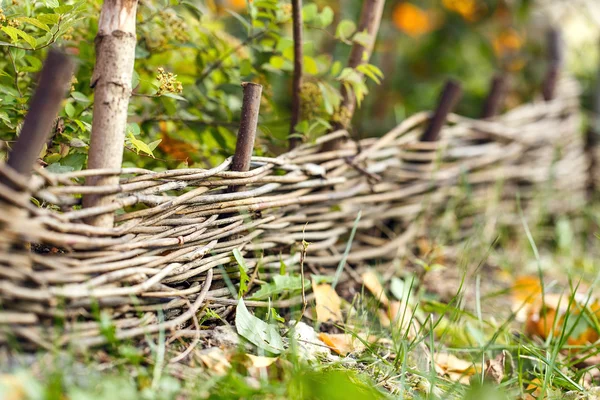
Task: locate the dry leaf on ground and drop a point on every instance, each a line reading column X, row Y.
column 371, row 282
column 345, row 343
column 453, row 367
column 215, row 359
column 553, row 314
column 494, row 368
column 12, row 388
column 328, row 303
column 525, row 291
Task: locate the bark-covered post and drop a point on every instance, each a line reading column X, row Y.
column 115, row 53
column 297, row 81
column 451, row 93
column 248, row 124
column 44, row 106
column 555, row 61
column 495, row 99
column 370, row 18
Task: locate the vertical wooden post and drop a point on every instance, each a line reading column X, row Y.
column 495, row 99
column 44, row 106
column 249, row 121
column 298, row 63
column 115, row 55
column 370, row 19
column 555, row 60
column 448, row 99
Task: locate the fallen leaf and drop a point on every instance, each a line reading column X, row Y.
column 310, row 347
column 328, row 303
column 12, row 388
column 494, row 368
column 215, row 359
column 524, row 292
column 345, row 343
column 552, row 314
column 371, row 282
column 260, row 361
column 453, row 367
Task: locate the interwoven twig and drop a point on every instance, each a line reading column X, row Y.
column 176, row 229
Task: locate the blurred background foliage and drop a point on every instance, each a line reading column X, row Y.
column 192, row 56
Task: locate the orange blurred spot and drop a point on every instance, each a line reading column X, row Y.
column 177, row 149
column 507, row 42
column 468, row 9
column 526, row 289
column 412, row 20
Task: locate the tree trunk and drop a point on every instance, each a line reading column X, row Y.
column 115, row 53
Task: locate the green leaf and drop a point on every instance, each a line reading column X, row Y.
column 345, row 29
column 50, row 19
column 256, row 331
column 52, row 3
column 280, row 284
column 245, row 67
column 362, row 38
column 28, row 38
column 374, row 73
column 12, row 32
column 135, row 79
column 56, row 168
column 277, row 62
column 326, row 17
column 309, row 12
column 310, row 65
column 80, row 97
column 63, row 9
column 331, row 97
column 244, row 278
column 69, row 110
column 154, row 145
column 139, row 145
column 35, row 64
column 133, row 128
column 35, row 22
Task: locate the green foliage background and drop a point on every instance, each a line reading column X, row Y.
column 192, row 56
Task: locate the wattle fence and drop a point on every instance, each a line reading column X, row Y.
column 170, row 255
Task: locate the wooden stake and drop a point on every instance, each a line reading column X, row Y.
column 298, row 64
column 44, row 106
column 555, row 60
column 370, row 19
column 495, row 99
column 115, row 55
column 448, row 99
column 249, row 121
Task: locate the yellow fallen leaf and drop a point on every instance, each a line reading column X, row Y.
column 344, row 343
column 453, row 367
column 12, row 388
column 371, row 282
column 328, row 303
column 216, row 360
column 259, row 361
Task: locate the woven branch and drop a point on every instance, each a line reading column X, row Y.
column 176, row 230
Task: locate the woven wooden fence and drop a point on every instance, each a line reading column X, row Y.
column 167, row 259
